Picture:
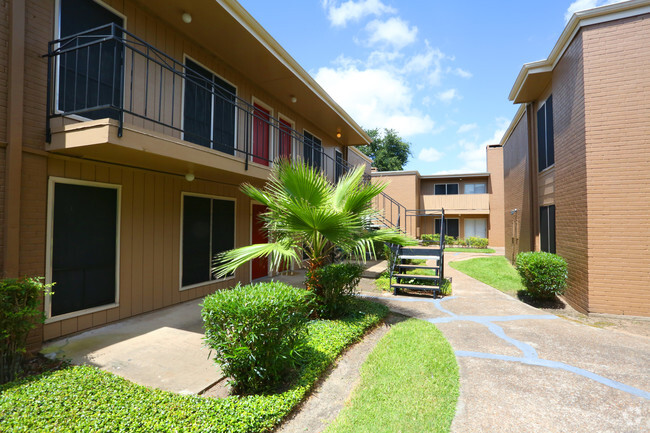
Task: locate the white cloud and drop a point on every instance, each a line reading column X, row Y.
column 580, row 5
column 462, row 73
column 375, row 97
column 448, row 95
column 466, row 128
column 340, row 14
column 393, row 32
column 430, row 154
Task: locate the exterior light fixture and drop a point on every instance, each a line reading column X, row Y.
column 187, row 18
column 338, row 133
column 189, row 177
column 294, row 99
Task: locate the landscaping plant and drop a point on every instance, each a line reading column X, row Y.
column 19, row 314
column 543, row 274
column 257, row 332
column 336, row 285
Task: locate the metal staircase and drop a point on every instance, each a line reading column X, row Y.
column 401, row 263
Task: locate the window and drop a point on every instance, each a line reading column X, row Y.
column 545, row 140
column 89, row 77
column 313, row 149
column 451, row 228
column 208, row 229
column 208, row 109
column 83, row 253
column 475, row 188
column 445, row 189
column 547, row 228
column 338, row 170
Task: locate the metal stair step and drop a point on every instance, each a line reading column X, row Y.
column 417, row 277
column 415, row 287
column 404, row 266
column 416, row 257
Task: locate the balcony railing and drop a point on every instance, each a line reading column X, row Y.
column 108, row 72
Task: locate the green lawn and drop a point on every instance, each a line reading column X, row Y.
column 88, row 399
column 409, row 384
column 469, row 250
column 495, row 271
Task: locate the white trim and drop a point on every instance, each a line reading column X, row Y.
column 182, row 288
column 236, row 137
column 49, row 245
column 267, row 107
column 513, row 124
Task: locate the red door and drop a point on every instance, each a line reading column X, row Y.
column 259, row 267
column 261, row 135
column 285, row 139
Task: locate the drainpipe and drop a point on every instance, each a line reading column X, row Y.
column 13, row 151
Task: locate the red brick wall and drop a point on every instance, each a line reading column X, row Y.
column 617, row 81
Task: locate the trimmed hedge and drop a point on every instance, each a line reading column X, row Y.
column 257, row 332
column 88, row 399
column 543, row 274
column 336, row 286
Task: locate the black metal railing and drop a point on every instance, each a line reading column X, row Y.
column 107, row 72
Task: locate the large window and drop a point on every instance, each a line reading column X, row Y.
column 547, row 228
column 208, row 109
column 208, row 229
column 451, row 228
column 83, row 252
column 475, row 188
column 545, row 141
column 313, row 150
column 445, row 189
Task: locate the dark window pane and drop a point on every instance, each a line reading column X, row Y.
column 437, row 227
column 452, row 188
column 197, row 107
column 550, row 140
column 196, row 240
column 338, row 171
column 451, row 228
column 541, row 139
column 223, row 226
column 84, row 247
column 440, row 189
column 224, row 116
column 551, row 229
column 543, row 228
column 312, row 150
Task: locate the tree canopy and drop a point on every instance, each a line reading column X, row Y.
column 388, row 151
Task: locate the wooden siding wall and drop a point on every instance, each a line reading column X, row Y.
column 150, row 236
column 4, row 67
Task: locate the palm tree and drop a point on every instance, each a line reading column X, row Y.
column 307, row 213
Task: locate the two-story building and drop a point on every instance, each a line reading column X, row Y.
column 472, row 202
column 127, row 127
column 577, row 158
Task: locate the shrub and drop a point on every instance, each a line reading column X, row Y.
column 475, row 242
column 336, row 285
column 19, row 313
column 543, row 274
column 380, row 249
column 429, row 239
column 445, row 287
column 257, row 332
column 450, row 240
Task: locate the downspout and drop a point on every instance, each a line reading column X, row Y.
column 13, row 151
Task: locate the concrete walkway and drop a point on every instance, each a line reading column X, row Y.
column 163, row 349
column 523, row 370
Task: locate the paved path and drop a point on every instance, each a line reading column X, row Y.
column 523, row 370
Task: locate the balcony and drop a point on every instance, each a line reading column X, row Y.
column 455, row 204
column 115, row 98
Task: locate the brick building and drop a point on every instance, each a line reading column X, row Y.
column 577, row 159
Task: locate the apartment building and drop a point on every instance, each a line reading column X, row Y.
column 472, row 202
column 127, row 129
column 577, row 159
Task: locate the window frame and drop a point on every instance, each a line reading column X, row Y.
column 473, row 184
column 550, row 237
column 435, row 222
column 542, row 165
column 49, row 246
column 446, row 188
column 322, row 151
column 182, row 288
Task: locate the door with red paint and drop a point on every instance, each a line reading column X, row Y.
column 259, row 267
column 261, row 135
column 285, row 140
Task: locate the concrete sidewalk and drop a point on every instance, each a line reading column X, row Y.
column 162, row 349
column 523, row 370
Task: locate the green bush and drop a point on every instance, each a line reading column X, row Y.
column 336, row 285
column 19, row 314
column 450, row 240
column 429, row 239
column 445, row 287
column 380, row 249
column 257, row 332
column 475, row 242
column 543, row 274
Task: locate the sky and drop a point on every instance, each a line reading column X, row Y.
column 437, row 72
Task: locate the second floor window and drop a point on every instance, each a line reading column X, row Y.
column 475, row 188
column 208, row 109
column 545, row 140
column 313, row 148
column 445, row 189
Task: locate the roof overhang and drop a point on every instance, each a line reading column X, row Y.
column 534, row 77
column 228, row 31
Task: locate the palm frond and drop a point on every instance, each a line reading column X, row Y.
column 280, row 252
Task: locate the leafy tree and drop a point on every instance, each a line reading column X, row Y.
column 307, row 213
column 388, row 151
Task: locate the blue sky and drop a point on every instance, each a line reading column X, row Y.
column 438, row 72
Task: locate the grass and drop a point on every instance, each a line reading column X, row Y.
column 469, row 250
column 409, row 383
column 87, row 399
column 495, row 271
